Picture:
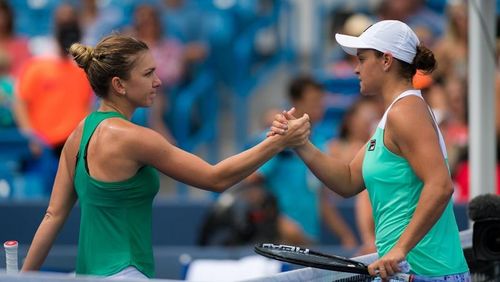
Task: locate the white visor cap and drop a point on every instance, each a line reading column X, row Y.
column 389, row 36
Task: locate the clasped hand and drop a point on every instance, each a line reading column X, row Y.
column 296, row 130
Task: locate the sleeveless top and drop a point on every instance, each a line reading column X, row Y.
column 115, row 227
column 394, row 191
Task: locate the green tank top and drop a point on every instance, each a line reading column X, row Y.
column 394, row 191
column 115, row 227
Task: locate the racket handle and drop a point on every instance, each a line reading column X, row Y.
column 404, row 267
column 11, row 256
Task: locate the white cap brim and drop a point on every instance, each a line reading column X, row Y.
column 350, row 44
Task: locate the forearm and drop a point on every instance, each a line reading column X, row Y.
column 236, row 168
column 334, row 173
column 42, row 242
column 430, row 207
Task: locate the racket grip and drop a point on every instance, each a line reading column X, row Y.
column 404, row 267
column 11, row 256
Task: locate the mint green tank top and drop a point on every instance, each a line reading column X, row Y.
column 394, row 191
column 115, row 227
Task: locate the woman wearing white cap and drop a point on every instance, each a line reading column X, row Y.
column 404, row 164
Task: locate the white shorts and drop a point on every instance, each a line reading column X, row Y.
column 129, row 272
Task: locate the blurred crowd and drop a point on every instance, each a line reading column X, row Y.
column 44, row 95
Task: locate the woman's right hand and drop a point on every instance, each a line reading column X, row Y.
column 296, row 133
column 280, row 123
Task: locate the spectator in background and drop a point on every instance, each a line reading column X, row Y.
column 301, row 198
column 89, row 13
column 181, row 20
column 357, row 126
column 452, row 49
column 175, row 60
column 6, row 92
column 417, row 15
column 15, row 47
column 53, row 94
column 354, row 25
column 184, row 22
column 100, row 18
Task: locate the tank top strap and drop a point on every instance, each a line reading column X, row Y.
column 90, row 125
column 417, row 93
column 413, row 92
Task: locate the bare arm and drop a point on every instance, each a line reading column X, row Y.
column 62, row 200
column 188, row 168
column 342, row 177
column 410, row 133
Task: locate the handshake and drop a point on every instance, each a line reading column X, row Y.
column 293, row 131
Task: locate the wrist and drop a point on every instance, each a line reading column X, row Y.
column 276, row 142
column 402, row 248
column 301, row 148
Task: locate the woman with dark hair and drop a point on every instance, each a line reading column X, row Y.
column 403, row 165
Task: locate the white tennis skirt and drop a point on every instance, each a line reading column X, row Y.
column 129, row 272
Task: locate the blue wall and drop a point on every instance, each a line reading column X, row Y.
column 176, row 226
column 174, row 223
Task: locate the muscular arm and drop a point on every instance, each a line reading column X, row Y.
column 418, row 142
column 188, row 168
column 343, row 178
column 62, row 200
column 410, row 133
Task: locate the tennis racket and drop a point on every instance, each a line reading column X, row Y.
column 310, row 258
column 11, row 256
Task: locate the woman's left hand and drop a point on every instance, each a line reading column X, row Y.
column 387, row 265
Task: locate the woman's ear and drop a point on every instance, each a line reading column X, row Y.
column 118, row 86
column 388, row 59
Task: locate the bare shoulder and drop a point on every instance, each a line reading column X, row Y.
column 73, row 142
column 408, row 113
column 131, row 139
column 409, row 122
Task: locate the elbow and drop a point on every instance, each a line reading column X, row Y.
column 220, row 186
column 345, row 191
column 446, row 191
column 52, row 215
column 219, row 179
column 218, row 183
column 344, row 194
column 49, row 216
